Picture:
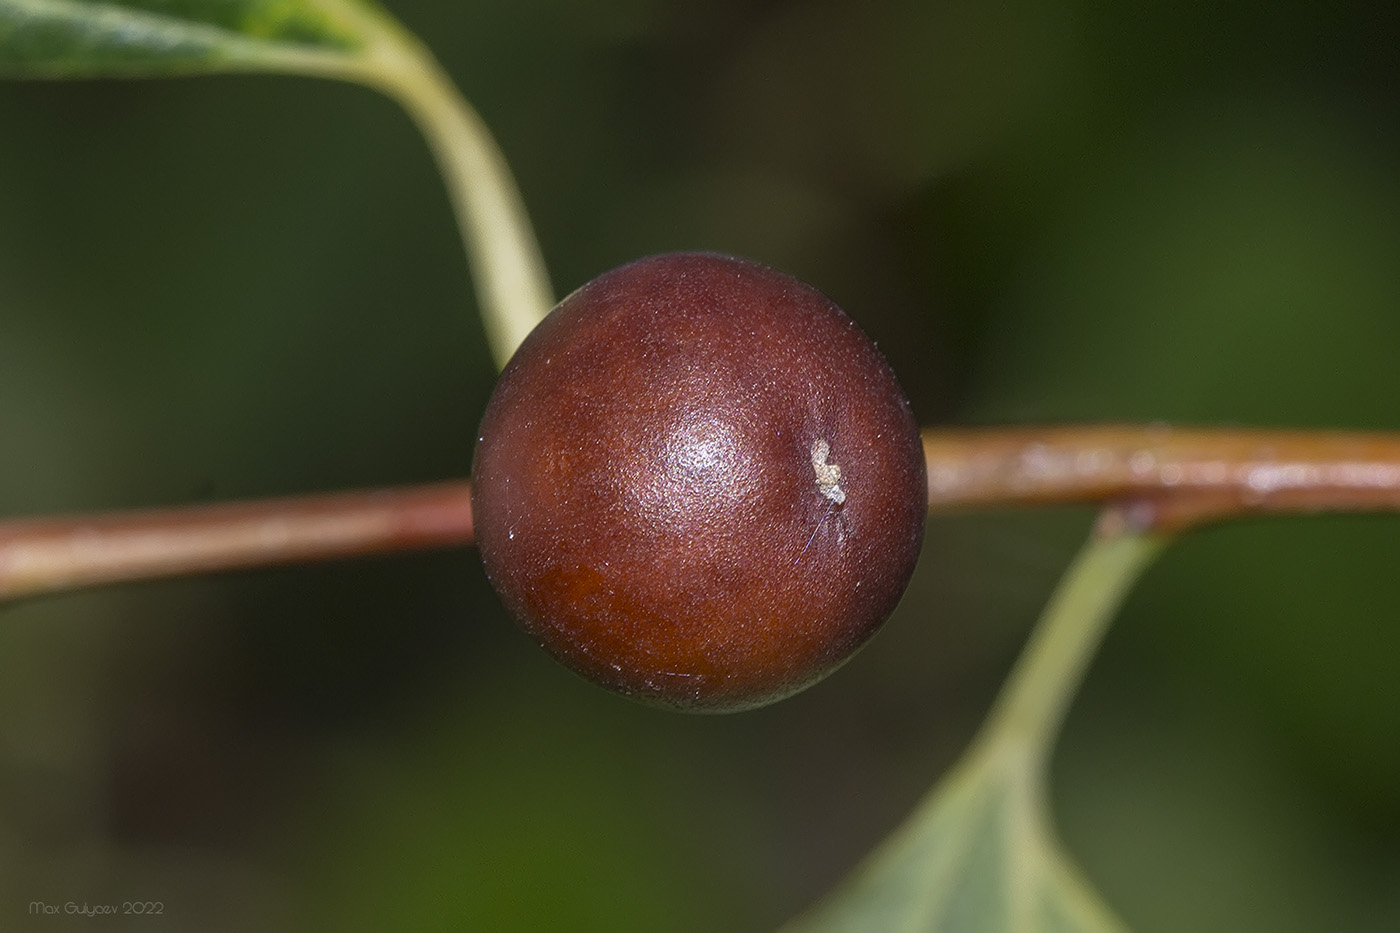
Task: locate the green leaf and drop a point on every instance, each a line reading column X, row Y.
column 354, row 40
column 84, row 38
column 978, row 854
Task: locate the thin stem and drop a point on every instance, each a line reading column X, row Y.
column 1179, row 477
column 985, row 826
column 1036, row 697
column 1169, row 480
column 45, row 555
column 508, row 270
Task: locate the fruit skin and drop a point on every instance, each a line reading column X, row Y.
column 653, row 486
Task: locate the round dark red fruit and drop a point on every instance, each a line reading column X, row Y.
column 698, row 483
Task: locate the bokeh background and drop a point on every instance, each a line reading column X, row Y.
column 232, row 287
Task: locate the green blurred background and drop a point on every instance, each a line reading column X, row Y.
column 232, row 287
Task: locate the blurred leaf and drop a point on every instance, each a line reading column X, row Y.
column 353, row 40
column 80, row 38
column 978, row 854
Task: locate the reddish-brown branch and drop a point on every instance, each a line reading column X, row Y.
column 42, row 555
column 1166, row 478
column 1174, row 478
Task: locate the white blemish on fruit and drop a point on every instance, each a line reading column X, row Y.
column 828, row 474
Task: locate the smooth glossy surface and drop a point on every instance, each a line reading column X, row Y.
column 699, row 484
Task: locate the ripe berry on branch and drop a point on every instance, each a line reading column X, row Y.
column 699, row 484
